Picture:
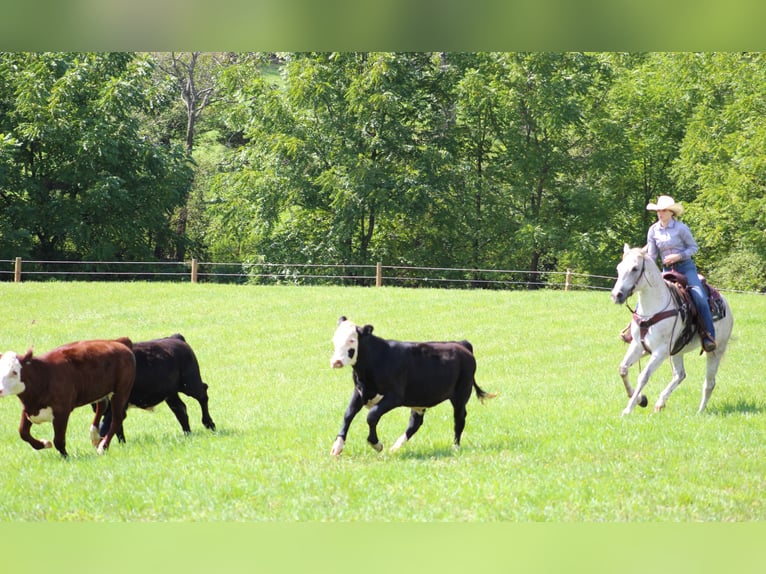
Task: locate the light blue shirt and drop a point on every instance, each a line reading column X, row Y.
column 675, row 238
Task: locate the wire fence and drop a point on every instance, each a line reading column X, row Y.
column 18, row 270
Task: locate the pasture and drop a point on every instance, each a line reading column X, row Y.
column 551, row 447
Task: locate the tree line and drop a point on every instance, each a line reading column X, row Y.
column 527, row 161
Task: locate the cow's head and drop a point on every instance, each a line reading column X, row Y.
column 346, row 343
column 10, row 375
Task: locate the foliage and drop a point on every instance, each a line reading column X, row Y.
column 81, row 179
column 523, row 161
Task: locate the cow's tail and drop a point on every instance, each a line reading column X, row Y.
column 481, row 394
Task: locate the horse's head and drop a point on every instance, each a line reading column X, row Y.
column 630, row 272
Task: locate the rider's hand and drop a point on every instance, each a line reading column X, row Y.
column 671, row 259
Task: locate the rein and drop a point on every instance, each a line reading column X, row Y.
column 645, row 323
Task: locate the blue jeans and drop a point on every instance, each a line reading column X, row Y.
column 689, row 269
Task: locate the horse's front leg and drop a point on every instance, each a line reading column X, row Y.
column 679, row 374
column 632, row 355
column 655, row 361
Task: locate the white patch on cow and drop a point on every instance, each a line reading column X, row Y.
column 337, row 446
column 10, row 375
column 346, row 345
column 399, row 442
column 374, row 401
column 43, row 416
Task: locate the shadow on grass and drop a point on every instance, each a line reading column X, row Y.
column 445, row 452
column 740, row 407
column 176, row 436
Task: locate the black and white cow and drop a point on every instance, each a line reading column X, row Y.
column 389, row 374
column 164, row 368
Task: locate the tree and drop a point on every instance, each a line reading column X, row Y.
column 335, row 154
column 195, row 77
column 82, row 180
column 551, row 100
column 722, row 164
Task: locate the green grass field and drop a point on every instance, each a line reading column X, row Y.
column 551, row 447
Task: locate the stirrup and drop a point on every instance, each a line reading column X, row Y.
column 626, row 335
column 708, row 342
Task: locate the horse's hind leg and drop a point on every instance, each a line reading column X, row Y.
column 679, row 374
column 713, row 360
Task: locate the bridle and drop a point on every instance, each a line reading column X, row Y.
column 645, row 323
column 637, row 281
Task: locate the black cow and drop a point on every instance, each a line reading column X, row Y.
column 389, row 374
column 164, row 368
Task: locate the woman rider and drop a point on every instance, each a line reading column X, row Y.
column 672, row 240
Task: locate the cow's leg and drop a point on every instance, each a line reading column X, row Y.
column 106, row 422
column 679, row 374
column 200, row 395
column 632, row 355
column 416, row 420
column 179, row 409
column 654, row 362
column 60, row 420
column 25, row 428
column 459, row 415
column 207, row 420
column 118, row 408
column 386, row 404
column 354, row 406
column 99, row 411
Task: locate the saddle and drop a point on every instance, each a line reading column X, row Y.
column 714, row 298
column 686, row 309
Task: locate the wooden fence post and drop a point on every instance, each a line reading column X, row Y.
column 194, row 271
column 568, row 282
column 379, row 274
column 17, row 271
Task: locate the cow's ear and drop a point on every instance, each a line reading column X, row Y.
column 342, row 318
column 27, row 355
column 366, row 330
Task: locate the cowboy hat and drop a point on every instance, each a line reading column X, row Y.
column 666, row 202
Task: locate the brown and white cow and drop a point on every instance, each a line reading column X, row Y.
column 389, row 374
column 51, row 385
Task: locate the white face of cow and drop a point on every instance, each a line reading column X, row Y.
column 10, row 375
column 346, row 343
